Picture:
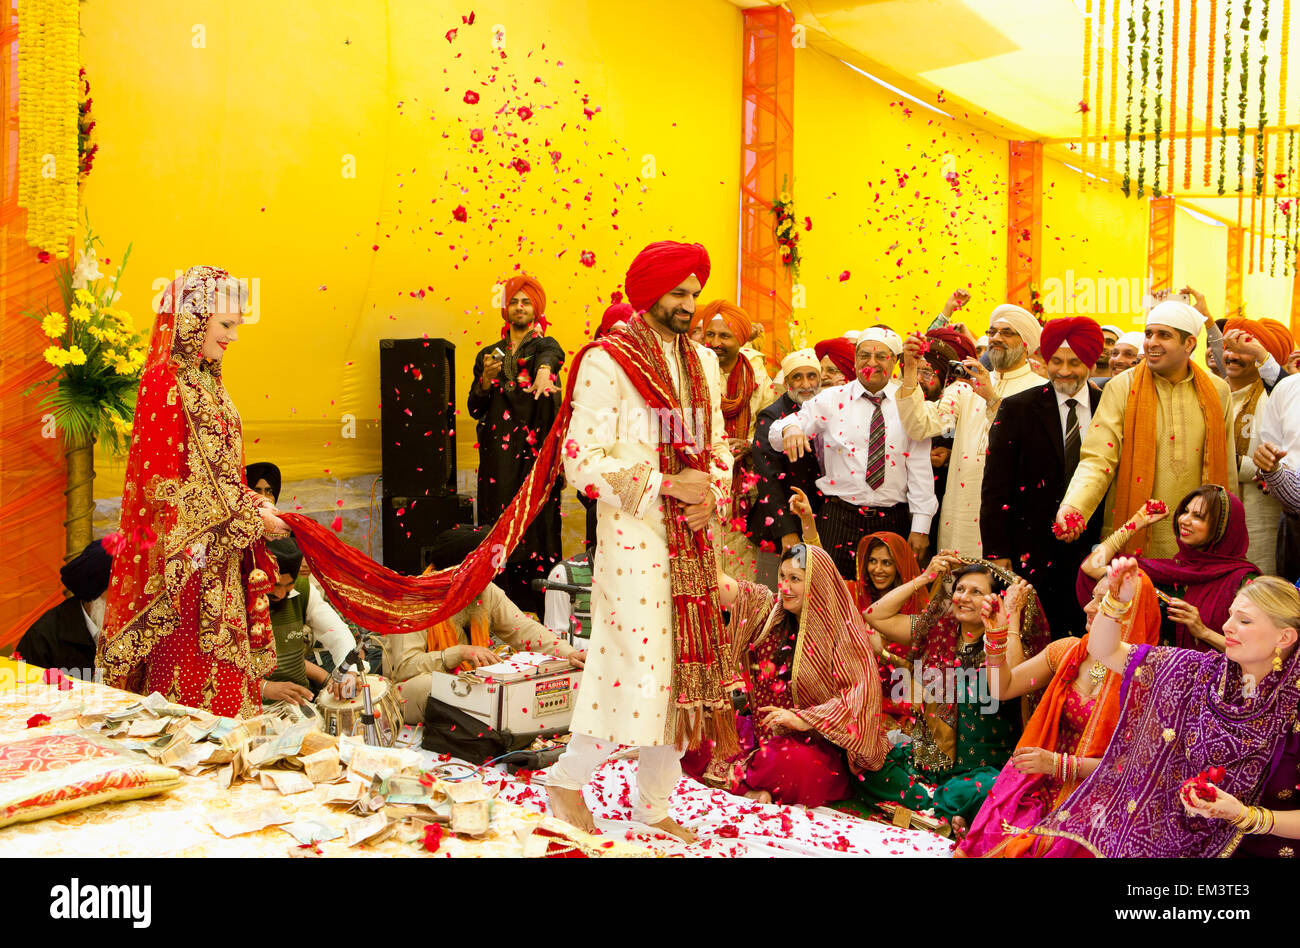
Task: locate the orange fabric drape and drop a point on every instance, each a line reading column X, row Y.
column 33, row 472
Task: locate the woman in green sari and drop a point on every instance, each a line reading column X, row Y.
column 964, row 736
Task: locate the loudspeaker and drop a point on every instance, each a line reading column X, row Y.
column 417, row 385
column 411, row 523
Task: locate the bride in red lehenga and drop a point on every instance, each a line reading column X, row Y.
column 187, row 607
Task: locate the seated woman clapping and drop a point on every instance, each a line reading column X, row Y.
column 964, row 734
column 1067, row 735
column 812, row 719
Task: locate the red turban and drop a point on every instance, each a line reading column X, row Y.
column 1272, row 335
column 535, row 293
column 737, row 319
column 955, row 340
column 616, row 313
column 840, row 351
column 662, row 267
column 1080, row 333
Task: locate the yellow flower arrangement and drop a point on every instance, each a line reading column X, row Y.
column 76, row 356
column 53, row 325
column 81, row 313
column 48, row 114
column 84, row 297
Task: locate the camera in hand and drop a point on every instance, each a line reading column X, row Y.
column 959, row 371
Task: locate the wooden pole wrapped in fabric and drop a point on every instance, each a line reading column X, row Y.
column 1160, row 244
column 32, row 472
column 1024, row 221
column 767, row 169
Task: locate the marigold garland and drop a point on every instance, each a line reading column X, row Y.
column 1083, row 101
column 1114, row 84
column 48, row 83
column 1128, row 107
column 1160, row 95
column 1260, row 141
column 1287, row 253
column 1173, row 100
column 1191, row 79
column 1209, row 90
column 1144, row 60
column 1097, row 136
column 1223, row 97
column 1241, row 96
column 1279, row 179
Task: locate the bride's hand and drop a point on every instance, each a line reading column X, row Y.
column 272, row 526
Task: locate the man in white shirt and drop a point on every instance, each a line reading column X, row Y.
column 876, row 478
column 1279, row 431
column 968, row 410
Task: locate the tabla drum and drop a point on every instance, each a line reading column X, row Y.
column 341, row 717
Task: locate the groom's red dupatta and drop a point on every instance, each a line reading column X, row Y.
column 378, row 599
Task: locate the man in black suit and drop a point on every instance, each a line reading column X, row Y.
column 770, row 518
column 64, row 637
column 1033, row 450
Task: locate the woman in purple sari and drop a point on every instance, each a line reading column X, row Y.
column 1211, row 565
column 1184, row 712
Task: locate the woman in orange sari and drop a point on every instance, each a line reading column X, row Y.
column 188, row 612
column 1067, row 735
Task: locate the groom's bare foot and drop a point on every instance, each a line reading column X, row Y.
column 568, row 805
column 670, row 825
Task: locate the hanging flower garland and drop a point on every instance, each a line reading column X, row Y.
column 1083, row 101
column 85, row 125
column 1191, row 79
column 1287, row 253
column 1145, row 61
column 1260, row 142
column 1128, row 107
column 1209, row 91
column 1279, row 176
column 1114, row 83
column 1097, row 136
column 1173, row 100
column 48, row 61
column 1223, row 97
column 1241, row 96
column 1160, row 94
column 787, row 233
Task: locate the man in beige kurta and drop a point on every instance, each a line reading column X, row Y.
column 1178, row 428
column 410, row 666
column 967, row 410
column 613, row 452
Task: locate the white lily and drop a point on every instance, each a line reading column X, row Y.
column 86, row 270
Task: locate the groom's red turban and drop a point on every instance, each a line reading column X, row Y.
column 661, row 267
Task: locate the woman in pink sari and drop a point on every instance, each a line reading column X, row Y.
column 812, row 688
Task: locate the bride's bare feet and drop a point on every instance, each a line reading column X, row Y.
column 959, row 828
column 759, row 796
column 670, row 825
column 568, row 805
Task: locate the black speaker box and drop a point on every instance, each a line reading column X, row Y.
column 417, row 384
column 412, row 521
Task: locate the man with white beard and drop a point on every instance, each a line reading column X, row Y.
column 1024, row 479
column 969, row 413
column 64, row 637
column 770, row 519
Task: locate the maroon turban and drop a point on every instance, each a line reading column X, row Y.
column 1080, row 333
column 662, row 267
column 955, row 340
column 841, row 354
column 616, row 313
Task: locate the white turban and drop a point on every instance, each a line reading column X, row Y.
column 1135, row 339
column 1176, row 315
column 879, row 334
column 982, row 341
column 1031, row 333
column 1112, row 329
column 852, row 336
column 803, row 359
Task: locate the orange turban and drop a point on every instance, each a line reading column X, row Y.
column 737, row 319
column 529, row 285
column 1273, row 336
column 661, row 267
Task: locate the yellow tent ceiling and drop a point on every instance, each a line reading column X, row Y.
column 1016, row 66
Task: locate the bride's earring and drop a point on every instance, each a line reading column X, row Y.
column 1277, row 658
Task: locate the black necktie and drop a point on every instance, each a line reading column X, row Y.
column 1071, row 437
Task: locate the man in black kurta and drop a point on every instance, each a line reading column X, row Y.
column 514, row 398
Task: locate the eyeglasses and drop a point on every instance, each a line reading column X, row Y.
column 1004, row 333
